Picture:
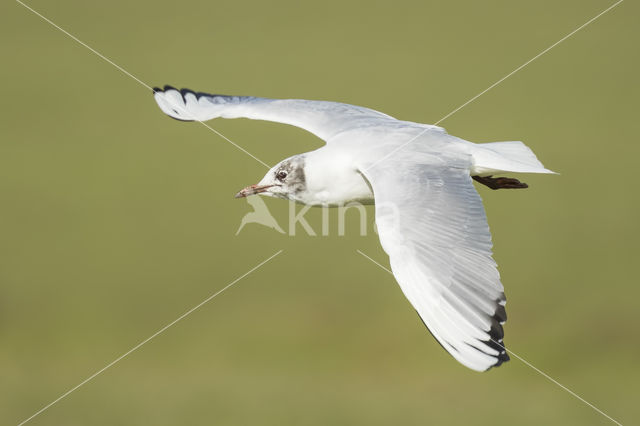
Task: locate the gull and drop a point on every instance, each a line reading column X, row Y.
column 430, row 219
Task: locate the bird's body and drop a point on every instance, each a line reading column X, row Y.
column 335, row 167
column 429, row 217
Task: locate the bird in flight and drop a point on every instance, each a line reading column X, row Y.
column 430, row 219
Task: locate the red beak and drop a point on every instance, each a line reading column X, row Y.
column 252, row 190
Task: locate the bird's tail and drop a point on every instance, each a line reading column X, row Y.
column 514, row 156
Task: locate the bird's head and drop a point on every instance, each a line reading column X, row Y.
column 285, row 180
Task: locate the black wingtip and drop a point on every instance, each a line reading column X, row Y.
column 502, row 356
column 198, row 95
column 500, row 313
column 495, row 342
column 496, row 334
column 184, row 92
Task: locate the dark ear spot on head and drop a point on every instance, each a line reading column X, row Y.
column 300, row 175
column 298, row 170
column 291, row 174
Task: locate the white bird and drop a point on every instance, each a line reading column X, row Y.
column 430, row 219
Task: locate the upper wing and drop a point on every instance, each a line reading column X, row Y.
column 432, row 224
column 323, row 119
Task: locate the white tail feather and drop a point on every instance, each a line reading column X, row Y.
column 499, row 157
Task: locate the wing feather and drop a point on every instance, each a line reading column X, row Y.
column 323, row 119
column 432, row 224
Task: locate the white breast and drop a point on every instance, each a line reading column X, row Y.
column 333, row 179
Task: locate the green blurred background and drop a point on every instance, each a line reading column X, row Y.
column 115, row 219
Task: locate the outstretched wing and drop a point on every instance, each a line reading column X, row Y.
column 432, row 224
column 323, row 119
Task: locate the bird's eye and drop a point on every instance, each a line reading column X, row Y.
column 281, row 175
